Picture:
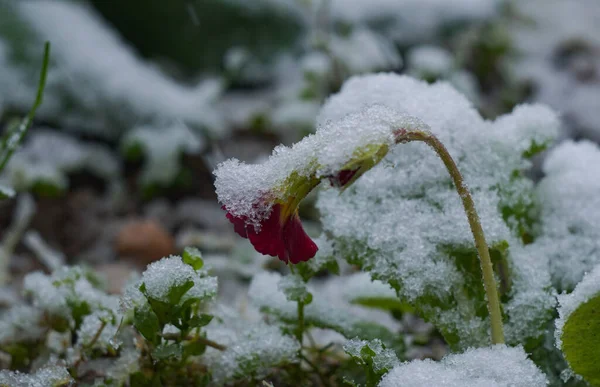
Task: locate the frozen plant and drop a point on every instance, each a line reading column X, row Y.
column 357, row 130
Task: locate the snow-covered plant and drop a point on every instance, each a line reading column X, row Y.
column 167, row 307
column 577, row 328
column 435, row 270
column 398, row 216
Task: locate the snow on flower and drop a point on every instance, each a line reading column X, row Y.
column 261, row 200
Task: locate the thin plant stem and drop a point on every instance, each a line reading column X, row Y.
column 489, row 282
column 15, row 136
column 203, row 340
column 300, row 330
column 315, row 368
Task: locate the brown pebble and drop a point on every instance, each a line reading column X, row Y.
column 144, row 241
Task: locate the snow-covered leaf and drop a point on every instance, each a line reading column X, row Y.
column 578, row 328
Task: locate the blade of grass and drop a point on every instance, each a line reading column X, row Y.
column 14, row 137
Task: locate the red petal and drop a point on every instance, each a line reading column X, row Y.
column 298, row 245
column 239, row 223
column 269, row 239
column 342, row 178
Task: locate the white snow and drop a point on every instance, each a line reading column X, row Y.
column 544, row 34
column 384, row 359
column 44, row 377
column 162, row 276
column 106, row 78
column 397, row 218
column 253, row 347
column 429, row 60
column 328, row 307
column 409, row 21
column 497, row 366
column 569, row 197
column 162, row 147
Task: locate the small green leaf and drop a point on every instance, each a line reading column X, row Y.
column 581, row 340
column 146, row 322
column 200, row 321
column 177, row 291
column 193, row 257
column 168, row 351
column 193, row 348
column 164, row 311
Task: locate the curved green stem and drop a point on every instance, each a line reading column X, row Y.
column 481, row 245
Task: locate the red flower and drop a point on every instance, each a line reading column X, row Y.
column 342, row 178
column 281, row 235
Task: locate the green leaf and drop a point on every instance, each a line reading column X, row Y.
column 147, row 323
column 171, row 351
column 581, row 340
column 193, row 257
column 177, row 291
column 164, row 311
column 200, row 321
column 373, row 357
column 12, row 140
column 193, row 348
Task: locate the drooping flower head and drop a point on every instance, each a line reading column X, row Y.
column 280, row 233
column 262, row 200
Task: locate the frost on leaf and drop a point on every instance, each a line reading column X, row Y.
column 578, row 326
column 261, row 200
column 373, row 356
column 171, row 280
column 252, row 348
column 404, row 222
column 329, row 310
column 98, row 331
column 50, row 376
column 569, row 197
column 497, row 366
column 67, row 296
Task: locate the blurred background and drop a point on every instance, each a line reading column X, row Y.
column 145, row 97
